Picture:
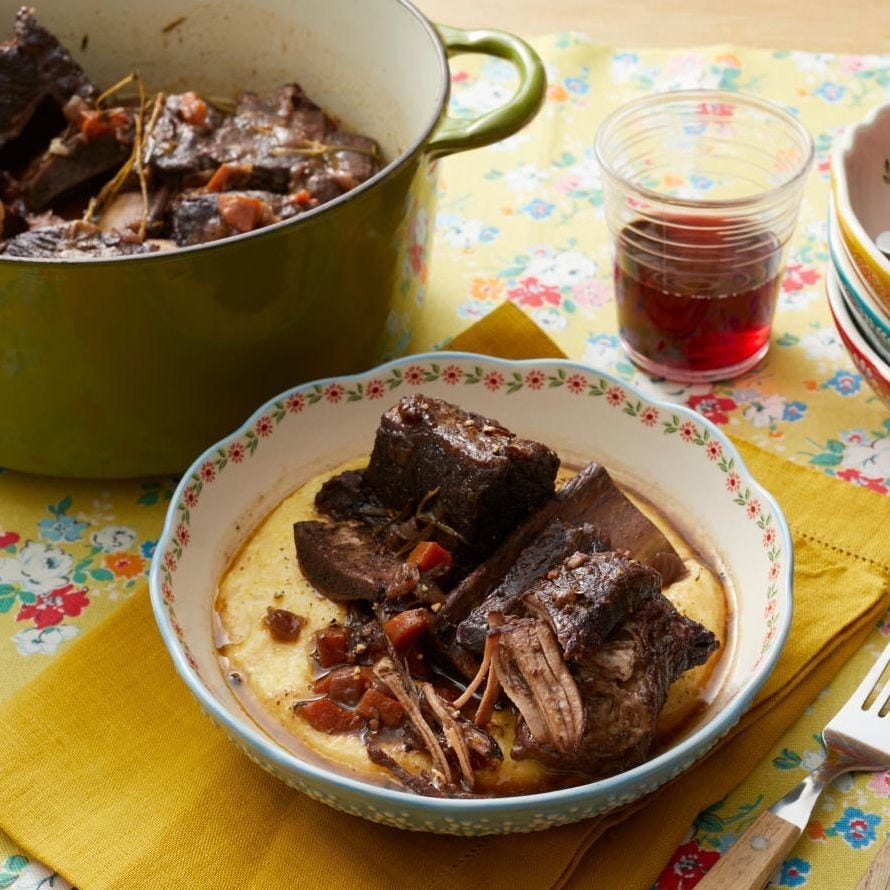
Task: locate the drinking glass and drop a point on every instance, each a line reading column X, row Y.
column 701, row 190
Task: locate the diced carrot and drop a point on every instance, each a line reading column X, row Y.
column 407, row 627
column 97, row 123
column 303, row 198
column 428, row 554
column 331, row 645
column 325, row 716
column 227, row 174
column 243, row 212
column 376, row 705
column 192, row 109
column 345, row 684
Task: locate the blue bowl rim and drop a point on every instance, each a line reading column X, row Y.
column 853, row 290
column 613, row 786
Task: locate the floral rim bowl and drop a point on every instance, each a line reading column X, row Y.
column 861, row 191
column 674, row 455
column 867, row 361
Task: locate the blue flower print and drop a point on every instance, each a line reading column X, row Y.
column 147, row 549
column 578, row 85
column 538, row 209
column 700, row 182
column 847, row 383
column 794, row 411
column 830, row 92
column 61, row 528
column 856, row 827
column 794, row 872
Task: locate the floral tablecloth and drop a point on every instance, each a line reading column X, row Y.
column 522, row 221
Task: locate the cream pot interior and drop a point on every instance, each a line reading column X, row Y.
column 357, row 73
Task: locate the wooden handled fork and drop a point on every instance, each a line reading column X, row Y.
column 856, row 738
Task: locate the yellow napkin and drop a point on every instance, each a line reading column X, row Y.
column 128, row 785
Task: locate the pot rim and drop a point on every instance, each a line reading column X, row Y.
column 385, row 172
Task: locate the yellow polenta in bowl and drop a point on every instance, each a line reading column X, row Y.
column 228, row 561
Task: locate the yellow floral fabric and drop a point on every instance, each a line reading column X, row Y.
column 522, row 222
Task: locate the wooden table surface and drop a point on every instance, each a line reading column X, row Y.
column 847, row 26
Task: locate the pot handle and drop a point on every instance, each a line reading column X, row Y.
column 453, row 134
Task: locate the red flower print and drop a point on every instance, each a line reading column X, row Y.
column 207, row 472
column 452, row 374
column 236, row 452
column 615, row 396
column 375, row 389
column 649, row 416
column 769, row 537
column 687, row 431
column 530, row 292
column 459, row 77
column 873, row 483
column 167, row 592
column 752, row 510
column 712, row 406
column 535, row 380
column 50, row 608
column 295, row 403
column 415, row 258
column 714, row 450
column 190, row 495
column 797, row 277
column 493, row 380
column 774, row 570
column 170, row 561
column 576, row 384
column 715, row 109
column 264, row 426
column 334, row 392
column 687, row 867
column 7, row 539
column 770, row 609
column 733, row 482
column 182, row 534
column 414, row 375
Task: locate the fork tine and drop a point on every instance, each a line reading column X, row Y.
column 870, row 681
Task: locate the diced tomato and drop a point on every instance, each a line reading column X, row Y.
column 96, row 123
column 325, row 716
column 345, row 684
column 376, row 705
column 332, row 645
column 304, row 199
column 193, row 109
column 428, row 554
column 407, row 627
column 243, row 212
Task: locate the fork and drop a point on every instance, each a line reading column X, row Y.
column 856, row 739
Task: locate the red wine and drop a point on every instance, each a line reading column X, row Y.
column 697, row 296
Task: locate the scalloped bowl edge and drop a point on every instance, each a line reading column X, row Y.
column 489, row 815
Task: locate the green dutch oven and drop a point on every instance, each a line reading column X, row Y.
column 132, row 366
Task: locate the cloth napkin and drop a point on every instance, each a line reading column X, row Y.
column 129, row 786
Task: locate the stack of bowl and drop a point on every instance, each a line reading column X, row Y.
column 858, row 276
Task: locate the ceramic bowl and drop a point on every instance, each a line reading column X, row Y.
column 873, row 368
column 861, row 195
column 585, row 415
column 872, row 319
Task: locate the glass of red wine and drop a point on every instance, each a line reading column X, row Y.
column 701, row 193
